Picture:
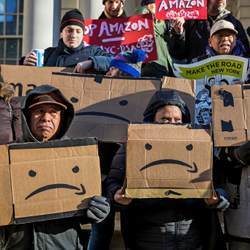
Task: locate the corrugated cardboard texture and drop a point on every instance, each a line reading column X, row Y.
column 168, row 161
column 47, row 180
column 185, row 88
column 105, row 106
column 25, row 78
column 230, row 115
column 5, row 187
column 55, row 177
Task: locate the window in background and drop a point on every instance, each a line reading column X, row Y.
column 11, row 31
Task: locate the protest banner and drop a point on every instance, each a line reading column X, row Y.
column 217, row 70
column 188, row 9
column 122, row 34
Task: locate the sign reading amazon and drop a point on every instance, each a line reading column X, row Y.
column 122, row 34
column 188, row 9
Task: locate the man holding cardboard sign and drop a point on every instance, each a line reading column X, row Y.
column 47, row 115
column 164, row 223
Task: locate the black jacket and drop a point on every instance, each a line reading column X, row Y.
column 193, row 42
column 62, row 56
column 144, row 219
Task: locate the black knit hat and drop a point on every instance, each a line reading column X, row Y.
column 146, row 2
column 162, row 98
column 72, row 17
column 103, row 1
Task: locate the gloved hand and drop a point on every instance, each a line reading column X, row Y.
column 98, row 209
column 219, row 201
column 242, row 153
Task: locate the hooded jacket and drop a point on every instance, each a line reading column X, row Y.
column 67, row 115
column 157, row 215
column 193, row 42
column 56, row 234
column 162, row 98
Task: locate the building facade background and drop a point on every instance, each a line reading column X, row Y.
column 28, row 24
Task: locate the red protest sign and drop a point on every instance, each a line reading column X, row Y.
column 122, row 34
column 189, row 9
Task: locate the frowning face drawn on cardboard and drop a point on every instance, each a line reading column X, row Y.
column 54, row 177
column 170, row 158
column 77, row 190
column 190, row 168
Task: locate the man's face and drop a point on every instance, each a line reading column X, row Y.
column 223, row 42
column 216, row 6
column 168, row 114
column 151, row 8
column 113, row 7
column 72, row 36
column 45, row 121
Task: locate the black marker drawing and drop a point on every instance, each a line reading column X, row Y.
column 191, row 169
column 81, row 189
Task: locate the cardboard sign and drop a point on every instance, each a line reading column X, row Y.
column 168, row 161
column 188, row 9
column 122, row 34
column 104, row 106
column 49, row 180
column 231, row 114
column 216, row 70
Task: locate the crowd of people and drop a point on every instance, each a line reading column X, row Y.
column 146, row 224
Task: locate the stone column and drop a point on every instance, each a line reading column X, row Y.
column 38, row 24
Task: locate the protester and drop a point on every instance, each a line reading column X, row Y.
column 113, row 9
column 71, row 51
column 47, row 115
column 157, row 224
column 190, row 41
column 223, row 40
column 163, row 65
column 127, row 64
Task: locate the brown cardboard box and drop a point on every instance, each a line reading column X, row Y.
column 104, row 106
column 49, row 180
column 168, row 161
column 231, row 114
column 25, row 78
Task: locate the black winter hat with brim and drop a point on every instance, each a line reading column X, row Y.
column 162, row 98
column 72, row 17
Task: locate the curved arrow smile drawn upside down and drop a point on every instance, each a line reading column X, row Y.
column 56, row 186
column 191, row 169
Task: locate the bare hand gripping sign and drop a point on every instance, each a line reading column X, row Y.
column 122, row 34
column 189, row 9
